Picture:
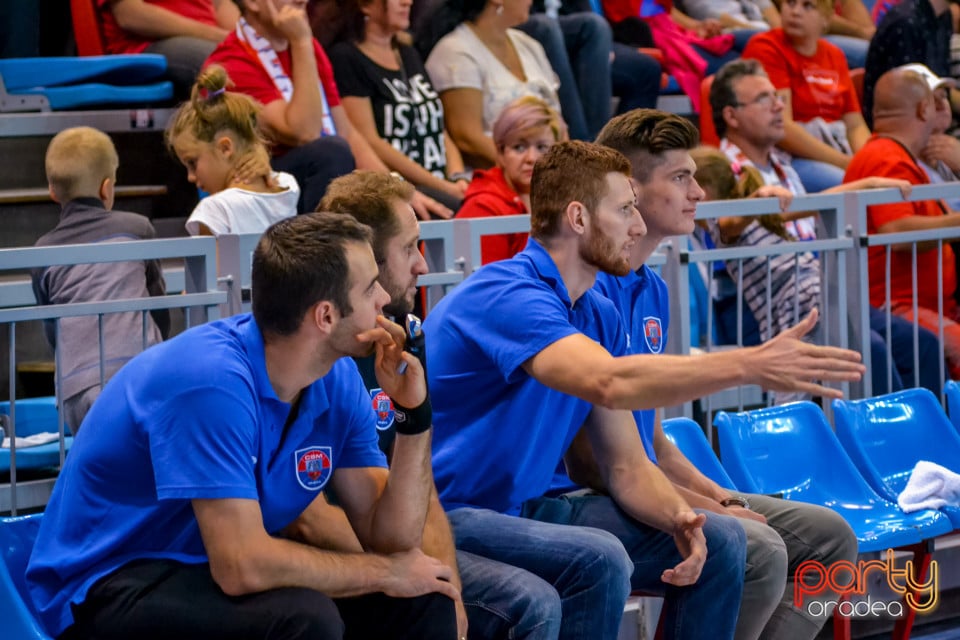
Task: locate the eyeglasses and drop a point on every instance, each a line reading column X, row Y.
column 765, row 100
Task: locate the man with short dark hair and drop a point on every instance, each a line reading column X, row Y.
column 748, row 116
column 524, row 355
column 191, row 506
column 780, row 534
column 500, row 601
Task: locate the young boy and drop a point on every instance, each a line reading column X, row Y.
column 81, row 165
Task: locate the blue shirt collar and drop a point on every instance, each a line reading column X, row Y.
column 546, row 269
column 314, row 397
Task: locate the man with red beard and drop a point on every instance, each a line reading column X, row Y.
column 524, row 353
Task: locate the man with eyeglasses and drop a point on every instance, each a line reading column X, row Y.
column 748, row 116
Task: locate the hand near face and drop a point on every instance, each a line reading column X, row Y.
column 399, row 373
column 290, row 19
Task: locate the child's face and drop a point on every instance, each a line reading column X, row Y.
column 208, row 163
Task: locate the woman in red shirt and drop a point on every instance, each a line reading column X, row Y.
column 822, row 121
column 522, row 133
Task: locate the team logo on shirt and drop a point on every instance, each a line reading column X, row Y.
column 383, row 407
column 653, row 334
column 314, row 465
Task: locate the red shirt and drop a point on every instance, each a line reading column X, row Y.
column 882, row 156
column 119, row 41
column 819, row 85
column 249, row 77
column 490, row 195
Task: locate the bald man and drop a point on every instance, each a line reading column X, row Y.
column 904, row 116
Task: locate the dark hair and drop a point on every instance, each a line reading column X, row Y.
column 368, row 196
column 722, row 93
column 300, row 261
column 644, row 135
column 570, row 171
column 440, row 18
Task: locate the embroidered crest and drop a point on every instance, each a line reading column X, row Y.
column 314, row 465
column 383, row 407
column 653, row 334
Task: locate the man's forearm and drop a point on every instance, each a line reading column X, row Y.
column 438, row 538
column 401, row 511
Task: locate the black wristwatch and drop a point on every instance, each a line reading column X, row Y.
column 739, row 501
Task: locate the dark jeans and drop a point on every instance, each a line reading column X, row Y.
column 636, row 79
column 315, row 165
column 903, row 374
column 163, row 599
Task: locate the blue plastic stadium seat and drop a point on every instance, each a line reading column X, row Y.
column 887, row 435
column 952, row 392
column 18, row 620
column 34, row 415
column 791, row 450
column 690, row 439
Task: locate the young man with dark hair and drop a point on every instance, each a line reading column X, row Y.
column 780, row 534
column 191, row 507
column 524, row 354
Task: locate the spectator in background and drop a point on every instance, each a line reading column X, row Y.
column 904, row 119
column 185, row 32
column 758, row 15
column 822, row 121
column 483, row 65
column 748, row 118
column 940, row 157
column 214, row 135
column 273, row 57
column 578, row 44
column 911, row 31
column 851, row 28
column 692, row 49
column 390, row 100
column 81, row 165
column 526, row 128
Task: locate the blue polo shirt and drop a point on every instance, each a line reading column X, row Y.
column 194, row 417
column 499, row 433
column 643, row 302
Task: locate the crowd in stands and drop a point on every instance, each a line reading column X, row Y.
column 502, row 491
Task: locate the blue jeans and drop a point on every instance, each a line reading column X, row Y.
column 503, row 601
column 815, row 175
column 707, row 609
column 901, row 350
column 587, row 568
column 854, row 49
column 635, row 77
column 578, row 48
column 742, row 36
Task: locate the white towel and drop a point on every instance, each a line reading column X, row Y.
column 930, row 487
column 33, row 441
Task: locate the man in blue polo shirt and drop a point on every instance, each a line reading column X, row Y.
column 781, row 534
column 187, row 509
column 524, row 353
column 500, row 602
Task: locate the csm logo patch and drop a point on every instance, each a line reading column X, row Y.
column 314, row 465
column 653, row 334
column 383, row 407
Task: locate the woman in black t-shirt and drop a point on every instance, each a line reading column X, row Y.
column 388, row 97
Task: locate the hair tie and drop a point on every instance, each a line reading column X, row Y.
column 213, row 94
column 737, row 169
